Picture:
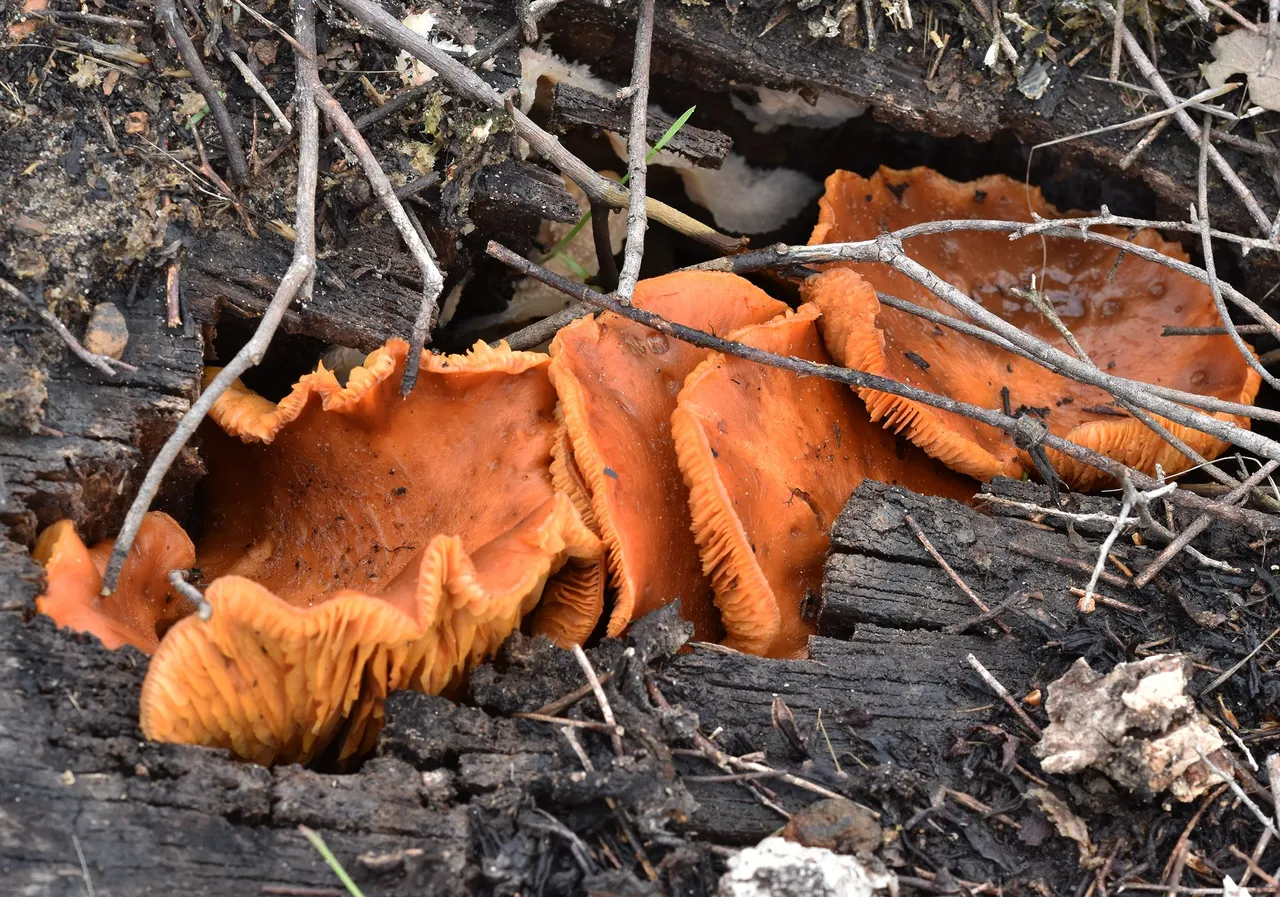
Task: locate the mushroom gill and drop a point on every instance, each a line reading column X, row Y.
column 142, row 606
column 770, row 458
column 1114, row 307
column 274, row 682
column 360, row 542
column 617, row 382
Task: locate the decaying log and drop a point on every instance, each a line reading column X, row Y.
column 75, row 443
column 573, row 106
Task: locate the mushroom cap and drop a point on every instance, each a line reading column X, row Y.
column 1114, row 311
column 274, row 682
column 770, row 459
column 617, row 381
column 337, row 487
column 143, row 603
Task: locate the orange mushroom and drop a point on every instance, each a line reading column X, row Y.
column 142, row 605
column 349, row 482
column 1114, row 308
column 617, row 382
column 570, row 609
column 278, row 683
column 362, row 543
column 770, row 459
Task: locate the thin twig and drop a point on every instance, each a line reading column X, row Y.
column 1003, row 693
column 1235, row 667
column 1199, row 525
column 1200, row 214
column 539, row 332
column 432, row 280
column 559, row 705
column 1255, row 521
column 203, row 609
column 259, row 88
column 472, row 87
column 637, row 151
column 296, row 282
column 887, row 249
column 103, row 363
column 92, row 18
column 591, row 724
column 601, row 698
column 951, row 573
column 1157, row 82
column 167, row 16
column 606, row 266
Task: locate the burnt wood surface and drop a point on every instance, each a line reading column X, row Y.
column 464, row 798
column 573, row 107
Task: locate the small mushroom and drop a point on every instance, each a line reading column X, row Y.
column 617, row 382
column 1114, row 307
column 142, row 606
column 770, row 458
column 274, row 682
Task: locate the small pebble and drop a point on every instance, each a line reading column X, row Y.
column 107, row 333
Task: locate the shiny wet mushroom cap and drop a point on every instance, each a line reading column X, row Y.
column 1116, row 309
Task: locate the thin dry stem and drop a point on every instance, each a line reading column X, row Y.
column 637, row 151
column 432, row 280
column 296, row 281
column 167, row 16
column 1253, row 520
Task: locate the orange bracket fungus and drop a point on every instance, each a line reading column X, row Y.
column 770, row 458
column 617, row 381
column 142, row 605
column 1114, row 307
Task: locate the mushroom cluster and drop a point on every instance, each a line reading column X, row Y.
column 354, row 542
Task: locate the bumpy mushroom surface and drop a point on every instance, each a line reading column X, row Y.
column 1115, row 312
column 274, row 682
column 770, row 459
column 338, row 487
column 142, row 606
column 617, row 382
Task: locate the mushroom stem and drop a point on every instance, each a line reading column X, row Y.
column 1255, row 521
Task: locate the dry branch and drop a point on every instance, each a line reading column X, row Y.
column 296, row 281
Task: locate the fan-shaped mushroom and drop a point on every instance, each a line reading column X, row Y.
column 275, row 682
column 142, row 605
column 349, row 482
column 1114, row 309
column 770, row 458
column 617, row 382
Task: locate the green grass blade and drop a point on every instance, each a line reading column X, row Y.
column 323, row 849
column 582, row 222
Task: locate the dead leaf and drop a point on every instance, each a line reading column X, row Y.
column 86, row 74
column 265, row 50
column 1064, row 819
column 1243, row 52
column 193, row 103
